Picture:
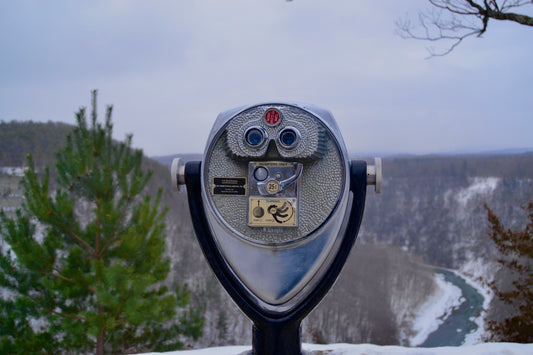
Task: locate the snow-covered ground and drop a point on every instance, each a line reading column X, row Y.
column 478, row 186
column 12, row 170
column 369, row 349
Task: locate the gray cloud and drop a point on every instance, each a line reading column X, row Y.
column 169, row 67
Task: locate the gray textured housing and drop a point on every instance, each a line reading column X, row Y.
column 321, row 182
column 278, row 265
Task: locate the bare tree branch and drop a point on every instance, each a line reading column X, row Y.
column 452, row 21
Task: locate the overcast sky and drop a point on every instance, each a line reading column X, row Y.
column 170, row 66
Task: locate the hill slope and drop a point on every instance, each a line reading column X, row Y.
column 17, row 139
column 429, row 212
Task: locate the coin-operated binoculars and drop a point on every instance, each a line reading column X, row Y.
column 276, row 206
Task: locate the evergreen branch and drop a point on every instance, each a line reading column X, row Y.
column 115, row 229
column 516, row 248
column 66, row 279
column 59, row 276
column 106, row 246
column 97, row 254
column 73, row 235
column 70, row 316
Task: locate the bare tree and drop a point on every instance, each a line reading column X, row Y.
column 455, row 20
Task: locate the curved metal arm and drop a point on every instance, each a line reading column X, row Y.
column 262, row 186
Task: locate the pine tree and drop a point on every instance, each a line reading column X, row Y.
column 222, row 327
column 82, row 268
column 516, row 247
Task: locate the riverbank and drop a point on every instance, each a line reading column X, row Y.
column 462, row 319
column 474, row 272
column 460, row 301
column 437, row 308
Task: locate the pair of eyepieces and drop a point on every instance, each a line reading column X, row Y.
column 288, row 137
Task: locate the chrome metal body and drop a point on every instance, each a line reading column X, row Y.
column 276, row 207
column 279, row 272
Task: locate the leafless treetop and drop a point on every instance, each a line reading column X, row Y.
column 455, row 20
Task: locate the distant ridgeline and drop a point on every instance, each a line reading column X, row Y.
column 17, row 139
column 518, row 165
column 464, row 165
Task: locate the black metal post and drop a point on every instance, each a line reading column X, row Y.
column 280, row 338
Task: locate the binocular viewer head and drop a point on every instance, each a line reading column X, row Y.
column 273, row 174
column 277, row 188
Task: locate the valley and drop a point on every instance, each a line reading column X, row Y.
column 429, row 215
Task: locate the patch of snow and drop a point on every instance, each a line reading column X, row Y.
column 370, row 349
column 38, row 325
column 436, row 309
column 447, row 195
column 12, row 170
column 7, row 294
column 479, row 186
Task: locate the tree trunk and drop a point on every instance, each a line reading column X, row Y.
column 510, row 16
column 100, row 343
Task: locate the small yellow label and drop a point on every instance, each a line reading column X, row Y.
column 272, row 212
column 272, row 186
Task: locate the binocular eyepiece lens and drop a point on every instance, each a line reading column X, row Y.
column 254, row 137
column 289, row 138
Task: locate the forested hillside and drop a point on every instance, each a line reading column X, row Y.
column 17, row 139
column 433, row 206
column 430, row 212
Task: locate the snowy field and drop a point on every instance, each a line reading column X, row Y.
column 368, row 349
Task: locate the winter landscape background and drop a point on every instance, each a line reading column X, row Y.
column 424, row 234
column 428, row 219
column 418, row 273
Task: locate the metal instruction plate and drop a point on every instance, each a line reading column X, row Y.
column 273, row 212
column 232, row 186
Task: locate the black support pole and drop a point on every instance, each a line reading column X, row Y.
column 280, row 338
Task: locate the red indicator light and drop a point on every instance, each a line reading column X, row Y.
column 272, row 117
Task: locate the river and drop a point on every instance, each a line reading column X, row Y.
column 462, row 320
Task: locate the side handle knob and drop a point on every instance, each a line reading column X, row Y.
column 374, row 175
column 177, row 173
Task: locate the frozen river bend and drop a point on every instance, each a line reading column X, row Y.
column 452, row 315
